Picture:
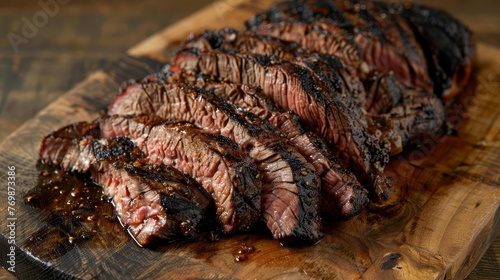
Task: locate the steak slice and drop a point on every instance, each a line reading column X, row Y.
column 154, row 203
column 342, row 197
column 332, row 115
column 290, row 189
column 326, row 39
column 214, row 161
column 229, row 39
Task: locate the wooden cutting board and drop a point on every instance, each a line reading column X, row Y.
column 448, row 215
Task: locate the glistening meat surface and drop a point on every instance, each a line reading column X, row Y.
column 154, row 202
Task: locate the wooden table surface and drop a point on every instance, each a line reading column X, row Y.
column 83, row 36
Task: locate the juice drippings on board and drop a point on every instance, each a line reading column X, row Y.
column 76, row 212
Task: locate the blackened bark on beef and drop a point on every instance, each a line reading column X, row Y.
column 214, row 161
column 152, row 202
column 419, row 116
column 327, row 67
column 415, row 30
column 338, row 77
column 59, row 149
column 229, row 39
column 448, row 46
column 342, row 196
column 384, row 40
column 284, row 171
column 155, row 203
column 332, row 115
column 382, row 94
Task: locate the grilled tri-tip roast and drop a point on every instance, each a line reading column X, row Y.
column 294, row 116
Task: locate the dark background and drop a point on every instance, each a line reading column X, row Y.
column 85, row 35
column 82, row 37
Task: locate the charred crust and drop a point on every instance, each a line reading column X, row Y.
column 113, row 149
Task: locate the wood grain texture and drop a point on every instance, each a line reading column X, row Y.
column 448, row 219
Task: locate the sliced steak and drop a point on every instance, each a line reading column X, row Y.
column 214, row 161
column 332, row 115
column 384, row 40
column 342, row 196
column 263, row 123
column 154, row 203
column 285, row 173
column 384, row 92
column 430, row 41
